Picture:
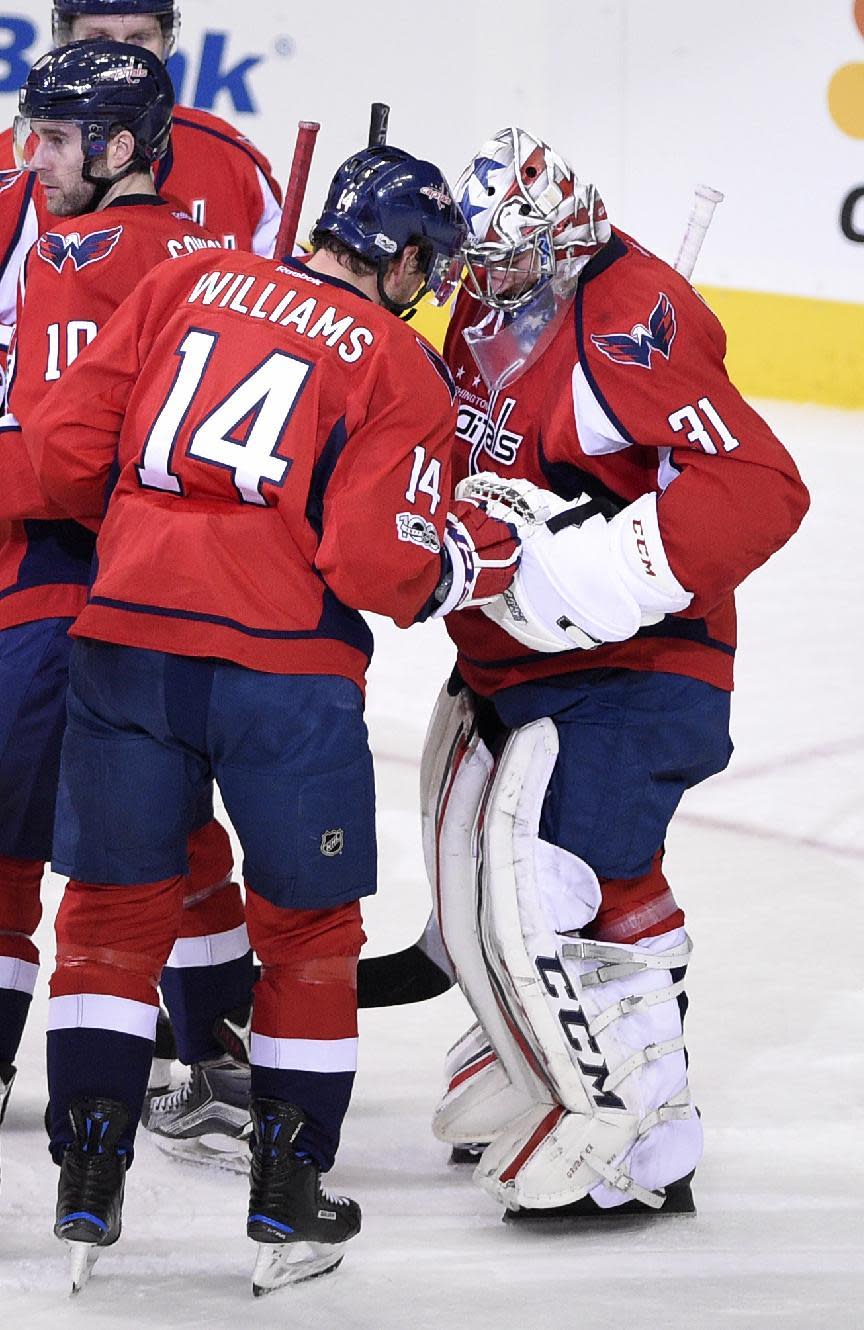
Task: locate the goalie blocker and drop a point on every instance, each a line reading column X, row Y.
column 576, row 1073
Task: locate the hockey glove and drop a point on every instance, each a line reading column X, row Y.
column 582, row 580
column 483, row 554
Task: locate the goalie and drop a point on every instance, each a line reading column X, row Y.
column 597, row 417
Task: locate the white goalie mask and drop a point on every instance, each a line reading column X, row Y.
column 530, row 219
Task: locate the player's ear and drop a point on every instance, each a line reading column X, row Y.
column 120, row 150
column 405, row 263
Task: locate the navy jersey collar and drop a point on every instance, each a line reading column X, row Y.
column 323, row 277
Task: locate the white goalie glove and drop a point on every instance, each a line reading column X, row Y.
column 582, row 580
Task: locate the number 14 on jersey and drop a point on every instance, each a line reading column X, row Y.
column 263, row 403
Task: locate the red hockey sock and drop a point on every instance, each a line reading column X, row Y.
column 635, row 907
column 115, row 939
column 20, row 907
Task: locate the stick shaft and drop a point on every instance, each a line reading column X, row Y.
column 379, row 120
column 704, row 203
column 295, row 190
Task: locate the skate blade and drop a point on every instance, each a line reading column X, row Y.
column 214, row 1151
column 278, row 1264
column 82, row 1258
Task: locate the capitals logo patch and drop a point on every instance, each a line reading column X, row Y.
column 637, row 346
column 56, row 249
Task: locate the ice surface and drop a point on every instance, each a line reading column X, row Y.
column 767, row 859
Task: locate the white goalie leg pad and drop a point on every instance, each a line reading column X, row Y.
column 530, row 892
column 630, row 998
column 454, row 776
column 631, row 993
column 479, row 1099
column 612, row 1055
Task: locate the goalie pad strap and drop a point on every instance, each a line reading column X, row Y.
column 637, row 959
column 676, row 1109
column 651, row 1053
column 637, row 1002
column 620, row 1179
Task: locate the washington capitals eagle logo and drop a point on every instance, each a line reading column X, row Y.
column 56, row 249
column 636, row 347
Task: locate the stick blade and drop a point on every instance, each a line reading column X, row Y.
column 398, row 979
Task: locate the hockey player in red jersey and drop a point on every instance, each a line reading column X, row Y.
column 95, row 116
column 283, row 445
column 595, row 411
column 209, row 168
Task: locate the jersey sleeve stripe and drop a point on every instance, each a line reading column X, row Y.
column 22, row 218
column 609, row 254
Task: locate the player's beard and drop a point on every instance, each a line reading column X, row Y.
column 70, row 200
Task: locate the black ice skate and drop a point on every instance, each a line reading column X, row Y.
column 300, row 1229
column 90, row 1191
column 7, row 1076
column 206, row 1120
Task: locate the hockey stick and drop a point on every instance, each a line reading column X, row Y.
column 421, row 971
column 704, row 203
column 378, row 122
column 295, row 190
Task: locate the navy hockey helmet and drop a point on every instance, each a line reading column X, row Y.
column 382, row 199
column 65, row 11
column 103, row 86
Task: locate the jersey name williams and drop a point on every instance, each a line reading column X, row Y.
column 249, row 295
column 484, row 432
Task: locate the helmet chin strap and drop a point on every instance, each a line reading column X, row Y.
column 405, row 310
column 102, row 184
column 408, row 309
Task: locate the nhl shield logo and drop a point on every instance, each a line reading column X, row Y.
column 332, row 843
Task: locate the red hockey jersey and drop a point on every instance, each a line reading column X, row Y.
column 630, row 397
column 74, row 278
column 284, row 455
column 215, row 174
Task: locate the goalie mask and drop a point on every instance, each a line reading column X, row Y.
column 65, row 12
column 530, row 220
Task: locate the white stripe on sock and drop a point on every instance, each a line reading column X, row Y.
column 20, row 976
column 98, row 1011
column 304, row 1054
column 213, row 949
